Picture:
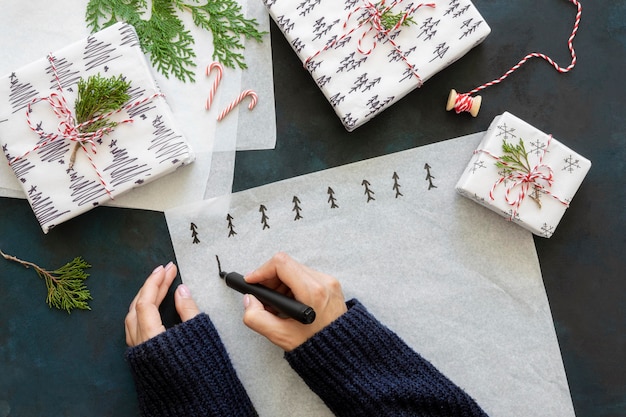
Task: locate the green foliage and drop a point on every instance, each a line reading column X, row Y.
column 66, row 287
column 515, row 157
column 390, row 20
column 164, row 37
column 97, row 96
column 224, row 19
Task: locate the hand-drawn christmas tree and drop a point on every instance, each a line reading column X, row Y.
column 429, row 177
column 231, row 226
column 297, row 208
column 331, row 198
column 264, row 217
column 194, row 233
column 396, row 184
column 368, row 191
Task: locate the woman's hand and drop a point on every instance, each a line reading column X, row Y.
column 287, row 276
column 143, row 320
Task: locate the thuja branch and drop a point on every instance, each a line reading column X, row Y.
column 515, row 158
column 164, row 37
column 98, row 96
column 389, row 20
column 66, row 287
column 225, row 20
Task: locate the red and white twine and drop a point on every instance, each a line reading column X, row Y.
column 374, row 19
column 245, row 93
column 67, row 127
column 464, row 101
column 540, row 178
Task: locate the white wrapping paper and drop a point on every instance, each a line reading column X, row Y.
column 360, row 79
column 133, row 154
column 546, row 154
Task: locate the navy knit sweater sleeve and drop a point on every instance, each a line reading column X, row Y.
column 359, row 367
column 187, row 372
column 356, row 365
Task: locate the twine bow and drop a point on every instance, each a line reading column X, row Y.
column 68, row 129
column 374, row 16
column 539, row 177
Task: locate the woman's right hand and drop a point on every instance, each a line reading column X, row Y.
column 285, row 275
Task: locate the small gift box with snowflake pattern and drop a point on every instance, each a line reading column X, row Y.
column 523, row 174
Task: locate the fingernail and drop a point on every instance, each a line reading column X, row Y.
column 246, row 301
column 169, row 265
column 157, row 269
column 184, row 292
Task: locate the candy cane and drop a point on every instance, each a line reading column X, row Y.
column 216, row 82
column 254, row 98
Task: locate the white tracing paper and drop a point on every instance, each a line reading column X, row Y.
column 30, row 30
column 456, row 281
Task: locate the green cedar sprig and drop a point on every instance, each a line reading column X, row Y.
column 164, row 38
column 98, row 96
column 390, row 20
column 66, row 287
column 515, row 158
column 224, row 19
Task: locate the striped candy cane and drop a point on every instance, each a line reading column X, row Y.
column 245, row 93
column 216, row 82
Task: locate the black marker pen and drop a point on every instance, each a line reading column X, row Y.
column 279, row 302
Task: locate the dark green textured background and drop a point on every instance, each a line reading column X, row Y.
column 52, row 364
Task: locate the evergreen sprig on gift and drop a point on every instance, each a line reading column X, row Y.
column 166, row 40
column 389, row 20
column 66, row 286
column 98, row 96
column 515, row 159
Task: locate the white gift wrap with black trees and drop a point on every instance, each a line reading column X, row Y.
column 556, row 172
column 362, row 70
column 132, row 154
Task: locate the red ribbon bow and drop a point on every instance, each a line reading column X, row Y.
column 373, row 16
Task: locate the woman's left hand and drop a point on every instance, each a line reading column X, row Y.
column 143, row 320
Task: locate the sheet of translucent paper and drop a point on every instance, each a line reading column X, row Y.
column 457, row 282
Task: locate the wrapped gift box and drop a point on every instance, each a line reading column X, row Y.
column 535, row 198
column 145, row 145
column 362, row 67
